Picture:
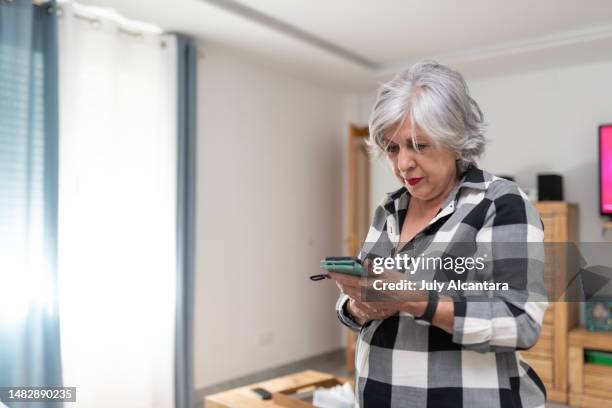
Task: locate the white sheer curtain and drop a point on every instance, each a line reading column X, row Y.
column 117, row 200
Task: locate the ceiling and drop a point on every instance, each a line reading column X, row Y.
column 353, row 44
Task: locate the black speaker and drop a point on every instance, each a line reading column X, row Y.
column 550, row 187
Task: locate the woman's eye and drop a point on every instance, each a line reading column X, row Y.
column 392, row 149
column 420, row 146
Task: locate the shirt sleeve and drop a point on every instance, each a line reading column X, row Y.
column 374, row 233
column 510, row 319
column 344, row 318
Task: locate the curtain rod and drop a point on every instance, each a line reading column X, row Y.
column 122, row 30
column 96, row 20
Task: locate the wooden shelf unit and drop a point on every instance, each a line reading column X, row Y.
column 590, row 385
column 549, row 357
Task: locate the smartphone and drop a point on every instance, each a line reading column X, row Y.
column 263, row 393
column 341, row 264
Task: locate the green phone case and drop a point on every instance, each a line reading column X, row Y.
column 351, row 268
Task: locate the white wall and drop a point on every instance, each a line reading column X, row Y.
column 547, row 121
column 539, row 121
column 269, row 208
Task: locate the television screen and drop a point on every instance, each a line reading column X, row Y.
column 605, row 169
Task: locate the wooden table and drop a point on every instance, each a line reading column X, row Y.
column 244, row 397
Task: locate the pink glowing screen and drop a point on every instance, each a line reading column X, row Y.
column 605, row 160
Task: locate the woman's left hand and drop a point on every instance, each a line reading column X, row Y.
column 362, row 288
column 352, row 287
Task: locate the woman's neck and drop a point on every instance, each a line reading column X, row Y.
column 433, row 204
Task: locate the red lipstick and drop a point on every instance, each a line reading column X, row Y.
column 414, row 180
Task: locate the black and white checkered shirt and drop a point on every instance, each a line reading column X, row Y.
column 402, row 361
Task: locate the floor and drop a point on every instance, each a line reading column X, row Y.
column 332, row 362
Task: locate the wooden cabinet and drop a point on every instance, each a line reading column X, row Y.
column 549, row 357
column 590, row 384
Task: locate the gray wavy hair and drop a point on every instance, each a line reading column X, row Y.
column 438, row 100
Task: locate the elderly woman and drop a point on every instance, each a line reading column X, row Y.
column 439, row 347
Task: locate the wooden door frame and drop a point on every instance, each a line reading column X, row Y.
column 353, row 241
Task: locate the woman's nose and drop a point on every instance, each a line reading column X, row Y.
column 405, row 160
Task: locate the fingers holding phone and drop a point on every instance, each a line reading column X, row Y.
column 349, row 285
column 364, row 312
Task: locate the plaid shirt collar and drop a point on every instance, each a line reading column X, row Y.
column 396, row 203
column 473, row 177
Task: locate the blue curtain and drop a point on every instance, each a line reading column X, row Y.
column 29, row 321
column 187, row 88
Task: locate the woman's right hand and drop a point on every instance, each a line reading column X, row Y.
column 363, row 313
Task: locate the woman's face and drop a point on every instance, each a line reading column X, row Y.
column 428, row 174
